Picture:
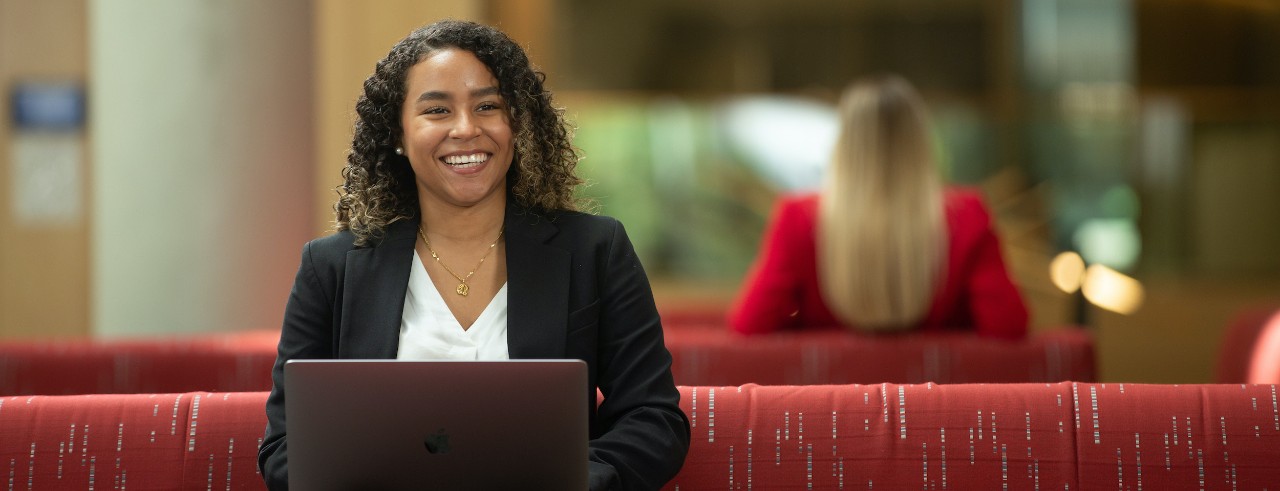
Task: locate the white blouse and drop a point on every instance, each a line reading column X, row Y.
column 429, row 331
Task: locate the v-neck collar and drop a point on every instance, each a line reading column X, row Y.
column 435, row 304
column 377, row 279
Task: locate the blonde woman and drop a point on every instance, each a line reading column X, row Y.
column 884, row 246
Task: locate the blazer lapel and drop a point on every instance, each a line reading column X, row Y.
column 537, row 287
column 373, row 303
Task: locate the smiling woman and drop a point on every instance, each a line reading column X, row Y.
column 457, row 134
column 459, row 239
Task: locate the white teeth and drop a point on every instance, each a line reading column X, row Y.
column 475, row 158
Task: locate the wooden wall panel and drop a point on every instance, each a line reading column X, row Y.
column 44, row 267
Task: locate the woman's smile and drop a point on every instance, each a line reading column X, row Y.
column 466, row 163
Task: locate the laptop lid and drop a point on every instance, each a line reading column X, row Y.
column 392, row 424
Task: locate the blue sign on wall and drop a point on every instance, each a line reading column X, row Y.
column 48, row 106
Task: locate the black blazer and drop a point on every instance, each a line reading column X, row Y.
column 575, row 289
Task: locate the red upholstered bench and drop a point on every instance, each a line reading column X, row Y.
column 1264, row 364
column 710, row 316
column 886, row 436
column 133, row 441
column 221, row 362
column 701, row 356
column 1250, row 350
column 718, row 357
column 1007, row 436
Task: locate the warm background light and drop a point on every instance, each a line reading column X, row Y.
column 1112, row 290
column 1066, row 270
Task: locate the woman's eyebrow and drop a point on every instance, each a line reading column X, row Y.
column 485, row 91
column 437, row 95
column 433, row 95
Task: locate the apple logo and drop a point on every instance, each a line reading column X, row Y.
column 437, row 443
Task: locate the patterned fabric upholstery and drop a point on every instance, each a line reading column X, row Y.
column 137, row 441
column 1062, row 436
column 239, row 362
column 718, row 357
column 1177, row 437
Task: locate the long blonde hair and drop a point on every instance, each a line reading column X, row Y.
column 881, row 232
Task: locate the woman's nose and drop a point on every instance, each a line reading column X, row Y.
column 464, row 127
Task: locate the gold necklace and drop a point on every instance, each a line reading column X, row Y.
column 462, row 288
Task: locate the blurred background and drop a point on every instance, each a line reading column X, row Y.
column 163, row 161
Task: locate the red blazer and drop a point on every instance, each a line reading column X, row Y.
column 781, row 289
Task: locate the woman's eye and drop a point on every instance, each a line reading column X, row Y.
column 488, row 106
column 435, row 110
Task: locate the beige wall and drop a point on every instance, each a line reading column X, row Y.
column 203, row 124
column 44, row 267
column 174, row 185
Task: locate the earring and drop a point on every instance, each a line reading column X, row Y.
column 399, row 151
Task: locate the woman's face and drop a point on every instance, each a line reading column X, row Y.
column 457, row 130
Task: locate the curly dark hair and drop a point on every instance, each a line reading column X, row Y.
column 379, row 187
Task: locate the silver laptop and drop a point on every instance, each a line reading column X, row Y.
column 390, row 424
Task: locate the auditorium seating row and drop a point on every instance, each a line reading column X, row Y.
column 718, row 357
column 704, row 354
column 225, row 362
column 885, row 436
column 701, row 356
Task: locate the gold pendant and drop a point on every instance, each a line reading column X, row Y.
column 463, row 289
